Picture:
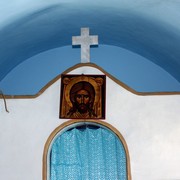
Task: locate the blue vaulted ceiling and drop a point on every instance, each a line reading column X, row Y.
column 148, row 32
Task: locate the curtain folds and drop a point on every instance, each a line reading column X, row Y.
column 88, row 154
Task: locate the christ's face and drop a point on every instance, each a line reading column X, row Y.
column 82, row 99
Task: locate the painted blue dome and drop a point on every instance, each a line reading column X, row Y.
column 138, row 42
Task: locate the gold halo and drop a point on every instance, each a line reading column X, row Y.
column 79, row 79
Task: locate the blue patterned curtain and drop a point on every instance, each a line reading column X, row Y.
column 88, row 154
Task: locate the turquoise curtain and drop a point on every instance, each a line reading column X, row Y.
column 88, row 154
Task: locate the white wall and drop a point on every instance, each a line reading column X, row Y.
column 149, row 124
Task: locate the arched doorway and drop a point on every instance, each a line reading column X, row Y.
column 86, row 150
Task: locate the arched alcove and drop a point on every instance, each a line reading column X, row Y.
column 86, row 150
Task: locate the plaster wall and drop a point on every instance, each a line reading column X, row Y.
column 150, row 126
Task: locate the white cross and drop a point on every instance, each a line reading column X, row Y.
column 85, row 41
